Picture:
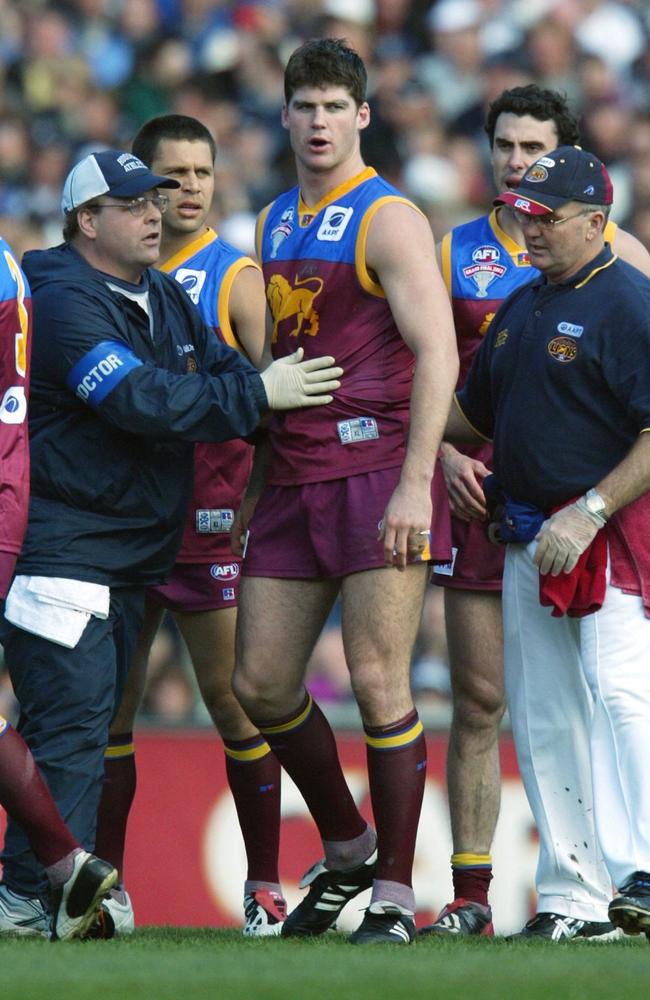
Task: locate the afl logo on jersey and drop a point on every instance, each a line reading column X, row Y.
column 192, row 282
column 334, row 224
column 224, row 572
column 563, row 349
column 485, row 268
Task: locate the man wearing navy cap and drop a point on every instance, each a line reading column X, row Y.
column 561, row 385
column 125, row 378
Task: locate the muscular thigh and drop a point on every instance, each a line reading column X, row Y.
column 475, row 643
column 381, row 611
column 278, row 624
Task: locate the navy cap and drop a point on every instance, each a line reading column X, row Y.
column 568, row 173
column 110, row 172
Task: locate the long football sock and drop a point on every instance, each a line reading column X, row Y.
column 471, row 875
column 397, row 765
column 305, row 746
column 118, row 792
column 24, row 795
column 254, row 776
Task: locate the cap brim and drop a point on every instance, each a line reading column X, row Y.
column 142, row 182
column 527, row 201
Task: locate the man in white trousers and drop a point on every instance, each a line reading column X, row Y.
column 561, row 385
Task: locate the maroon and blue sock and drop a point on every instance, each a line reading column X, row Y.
column 305, row 746
column 471, row 874
column 254, row 775
column 118, row 792
column 397, row 764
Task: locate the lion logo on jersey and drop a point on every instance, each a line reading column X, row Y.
column 285, row 302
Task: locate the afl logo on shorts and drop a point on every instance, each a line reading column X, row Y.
column 563, row 349
column 224, row 571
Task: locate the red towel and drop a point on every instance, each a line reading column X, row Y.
column 582, row 591
column 627, row 535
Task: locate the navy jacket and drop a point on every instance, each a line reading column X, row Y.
column 117, row 400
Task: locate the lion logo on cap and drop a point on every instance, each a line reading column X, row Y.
column 537, row 174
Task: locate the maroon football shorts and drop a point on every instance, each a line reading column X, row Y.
column 476, row 563
column 200, row 586
column 331, row 529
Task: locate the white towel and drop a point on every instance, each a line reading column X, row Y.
column 55, row 608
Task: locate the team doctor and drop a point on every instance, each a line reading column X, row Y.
column 561, row 385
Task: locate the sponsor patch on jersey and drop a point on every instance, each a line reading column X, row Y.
column 563, row 349
column 359, row 429
column 485, row 267
column 214, row 522
column 447, row 568
column 101, row 370
column 570, row 329
column 192, row 281
column 228, row 593
column 537, row 173
column 334, row 224
column 13, row 408
column 501, row 337
column 224, row 572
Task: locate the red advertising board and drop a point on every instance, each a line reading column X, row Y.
column 185, row 863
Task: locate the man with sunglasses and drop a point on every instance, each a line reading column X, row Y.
column 125, row 378
column 561, row 385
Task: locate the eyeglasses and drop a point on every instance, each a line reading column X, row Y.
column 138, row 206
column 547, row 222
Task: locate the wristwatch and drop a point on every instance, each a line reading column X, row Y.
column 595, row 504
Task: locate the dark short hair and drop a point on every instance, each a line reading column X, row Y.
column 175, row 127
column 326, row 62
column 545, row 105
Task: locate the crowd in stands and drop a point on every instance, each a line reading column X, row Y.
column 82, row 75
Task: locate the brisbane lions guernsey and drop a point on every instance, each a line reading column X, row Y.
column 323, row 298
column 15, row 315
column 481, row 266
column 206, row 269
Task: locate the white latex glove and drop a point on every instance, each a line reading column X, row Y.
column 291, row 382
column 564, row 537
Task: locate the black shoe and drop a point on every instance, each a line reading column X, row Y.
column 77, row 902
column 384, row 923
column 328, row 893
column 461, row 918
column 554, row 927
column 630, row 910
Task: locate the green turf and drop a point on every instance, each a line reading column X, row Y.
column 184, row 964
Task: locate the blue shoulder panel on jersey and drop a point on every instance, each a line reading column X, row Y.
column 101, row 370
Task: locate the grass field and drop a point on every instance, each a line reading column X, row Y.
column 184, row 964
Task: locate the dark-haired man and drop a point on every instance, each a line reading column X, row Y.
column 350, row 504
column 483, row 261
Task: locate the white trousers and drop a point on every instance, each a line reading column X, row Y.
column 578, row 694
